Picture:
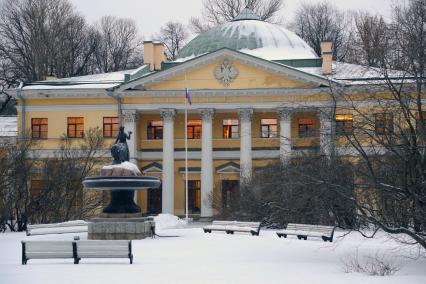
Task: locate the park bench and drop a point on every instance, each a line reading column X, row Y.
column 76, row 250
column 57, row 228
column 303, row 231
column 234, row 226
column 104, row 249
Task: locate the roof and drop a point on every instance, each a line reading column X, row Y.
column 8, row 126
column 95, row 81
column 248, row 34
column 353, row 74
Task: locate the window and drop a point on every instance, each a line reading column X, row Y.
column 39, row 128
column 75, row 127
column 306, row 128
column 193, row 129
column 154, row 130
column 194, row 196
column 383, row 123
column 268, row 128
column 344, row 124
column 110, row 126
column 230, row 128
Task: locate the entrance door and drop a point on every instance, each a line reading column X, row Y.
column 230, row 192
column 194, row 196
column 155, row 200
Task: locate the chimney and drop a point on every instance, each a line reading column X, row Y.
column 153, row 54
column 327, row 57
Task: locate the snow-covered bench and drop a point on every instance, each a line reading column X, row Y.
column 234, row 226
column 57, row 228
column 303, row 231
column 76, row 250
column 104, row 249
column 47, row 249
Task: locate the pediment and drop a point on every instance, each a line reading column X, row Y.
column 227, row 69
column 228, row 168
column 152, row 168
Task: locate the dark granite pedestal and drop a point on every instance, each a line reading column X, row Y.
column 119, row 227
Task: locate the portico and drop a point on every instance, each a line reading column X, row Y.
column 249, row 149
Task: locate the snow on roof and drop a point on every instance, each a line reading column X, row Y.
column 258, row 38
column 8, row 126
column 355, row 74
column 94, row 81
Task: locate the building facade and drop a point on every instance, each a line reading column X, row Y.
column 259, row 95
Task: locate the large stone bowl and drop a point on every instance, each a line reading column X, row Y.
column 122, row 191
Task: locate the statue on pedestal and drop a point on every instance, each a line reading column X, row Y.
column 120, row 150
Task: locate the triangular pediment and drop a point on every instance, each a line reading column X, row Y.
column 227, row 69
column 152, row 168
column 228, row 168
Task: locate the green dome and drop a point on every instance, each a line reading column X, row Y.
column 249, row 34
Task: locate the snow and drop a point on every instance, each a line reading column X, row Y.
column 8, row 126
column 124, row 165
column 196, row 257
column 168, row 221
column 271, row 41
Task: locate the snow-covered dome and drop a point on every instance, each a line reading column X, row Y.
column 249, row 34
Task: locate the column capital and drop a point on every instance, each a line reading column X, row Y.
column 130, row 115
column 246, row 114
column 207, row 113
column 284, row 113
column 168, row 114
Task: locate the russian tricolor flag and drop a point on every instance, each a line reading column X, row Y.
column 187, row 96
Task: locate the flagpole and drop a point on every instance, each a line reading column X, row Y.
column 186, row 151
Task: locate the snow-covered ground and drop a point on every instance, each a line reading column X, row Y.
column 195, row 257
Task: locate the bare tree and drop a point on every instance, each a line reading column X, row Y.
column 316, row 23
column 174, row 36
column 40, row 38
column 118, row 45
column 59, row 195
column 216, row 12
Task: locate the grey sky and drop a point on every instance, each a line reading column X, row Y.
column 150, row 15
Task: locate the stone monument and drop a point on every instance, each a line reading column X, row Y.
column 122, row 218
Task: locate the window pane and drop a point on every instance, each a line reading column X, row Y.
column 194, row 122
column 43, row 127
column 268, row 121
column 107, row 120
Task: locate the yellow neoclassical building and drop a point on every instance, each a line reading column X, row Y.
column 259, row 94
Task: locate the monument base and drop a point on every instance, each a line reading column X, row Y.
column 116, row 228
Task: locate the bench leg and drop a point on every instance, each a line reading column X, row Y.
column 131, row 259
column 77, row 260
column 324, row 238
column 299, row 237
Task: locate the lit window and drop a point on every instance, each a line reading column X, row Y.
column 193, row 129
column 344, row 124
column 268, row 128
column 75, row 127
column 154, row 130
column 306, row 128
column 383, row 123
column 39, row 128
column 230, row 128
column 110, row 126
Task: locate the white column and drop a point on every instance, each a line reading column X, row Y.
column 168, row 199
column 246, row 116
column 284, row 115
column 130, row 120
column 207, row 163
column 327, row 131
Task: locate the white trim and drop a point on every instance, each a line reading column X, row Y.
column 53, row 108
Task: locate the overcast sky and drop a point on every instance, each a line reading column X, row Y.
column 150, row 15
